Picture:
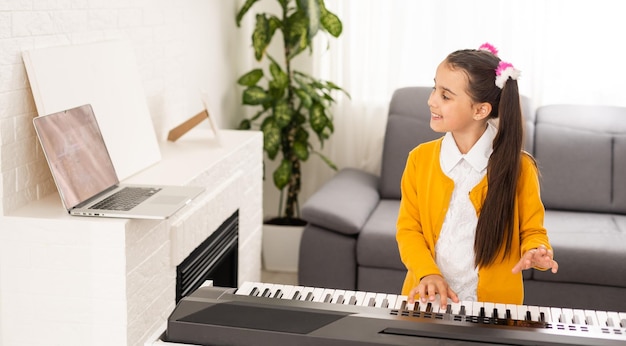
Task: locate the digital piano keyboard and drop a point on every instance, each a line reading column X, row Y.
column 271, row 314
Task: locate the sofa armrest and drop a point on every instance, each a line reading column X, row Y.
column 344, row 203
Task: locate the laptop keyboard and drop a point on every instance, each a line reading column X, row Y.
column 125, row 199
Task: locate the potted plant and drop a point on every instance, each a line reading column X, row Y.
column 293, row 106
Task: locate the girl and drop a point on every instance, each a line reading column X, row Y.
column 471, row 218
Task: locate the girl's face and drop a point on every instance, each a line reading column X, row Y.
column 451, row 107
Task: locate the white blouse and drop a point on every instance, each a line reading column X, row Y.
column 454, row 251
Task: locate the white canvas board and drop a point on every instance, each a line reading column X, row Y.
column 105, row 75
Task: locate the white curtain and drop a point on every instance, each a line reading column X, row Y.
column 569, row 51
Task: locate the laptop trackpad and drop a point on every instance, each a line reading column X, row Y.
column 168, row 199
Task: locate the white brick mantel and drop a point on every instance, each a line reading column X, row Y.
column 92, row 281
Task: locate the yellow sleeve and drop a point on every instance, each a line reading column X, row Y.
column 531, row 209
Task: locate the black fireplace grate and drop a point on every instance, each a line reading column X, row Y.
column 215, row 259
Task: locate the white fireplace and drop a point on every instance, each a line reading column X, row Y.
column 90, row 281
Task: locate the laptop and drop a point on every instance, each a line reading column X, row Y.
column 86, row 179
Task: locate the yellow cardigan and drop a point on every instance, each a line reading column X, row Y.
column 426, row 193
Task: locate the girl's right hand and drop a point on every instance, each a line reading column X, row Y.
column 429, row 287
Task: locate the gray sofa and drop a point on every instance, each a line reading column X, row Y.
column 349, row 241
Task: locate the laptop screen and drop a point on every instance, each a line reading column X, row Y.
column 76, row 153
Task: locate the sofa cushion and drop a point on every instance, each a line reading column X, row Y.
column 576, row 147
column 408, row 125
column 344, row 203
column 377, row 246
column 589, row 247
column 619, row 174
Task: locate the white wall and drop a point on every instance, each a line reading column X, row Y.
column 181, row 47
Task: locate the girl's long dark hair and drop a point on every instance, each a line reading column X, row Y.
column 495, row 222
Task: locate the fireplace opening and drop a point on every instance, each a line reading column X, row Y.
column 215, row 259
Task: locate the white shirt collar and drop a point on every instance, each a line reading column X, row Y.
column 477, row 157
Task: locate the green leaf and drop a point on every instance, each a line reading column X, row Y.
column 296, row 33
column 317, row 118
column 327, row 161
column 282, row 113
column 304, row 98
column 261, row 36
column 302, row 135
column 271, row 138
column 311, row 10
column 282, row 174
column 251, row 78
column 331, row 23
column 254, row 95
column 244, row 9
column 280, row 77
column 245, row 124
column 301, row 150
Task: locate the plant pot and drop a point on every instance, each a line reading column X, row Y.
column 281, row 247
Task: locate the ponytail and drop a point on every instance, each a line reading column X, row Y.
column 495, row 223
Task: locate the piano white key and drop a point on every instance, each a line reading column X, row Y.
column 304, row 293
column 465, row 308
column 287, row 291
column 591, row 318
column 391, row 299
column 556, row 315
column 602, row 318
column 512, row 309
column 360, row 297
column 489, row 308
column 501, row 310
column 245, row 288
column 380, row 300
column 476, row 307
column 534, row 313
column 547, row 314
column 275, row 290
column 349, row 297
column 579, row 317
column 456, row 308
column 296, row 293
column 568, row 315
column 369, row 299
column 399, row 302
column 338, row 297
column 613, row 319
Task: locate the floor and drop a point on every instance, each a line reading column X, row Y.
column 279, row 277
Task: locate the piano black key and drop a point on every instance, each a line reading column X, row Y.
column 328, row 298
column 403, row 305
column 266, row 293
column 278, row 294
column 542, row 317
column 449, row 309
column 462, row 311
column 371, row 302
column 528, row 316
column 429, row 307
column 296, row 295
column 309, row 297
column 495, row 313
column 482, row 312
column 340, row 299
column 385, row 303
column 508, row 314
column 254, row 292
column 352, row 300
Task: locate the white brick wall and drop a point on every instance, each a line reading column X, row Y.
column 173, row 44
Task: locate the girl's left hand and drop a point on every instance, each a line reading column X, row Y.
column 540, row 257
